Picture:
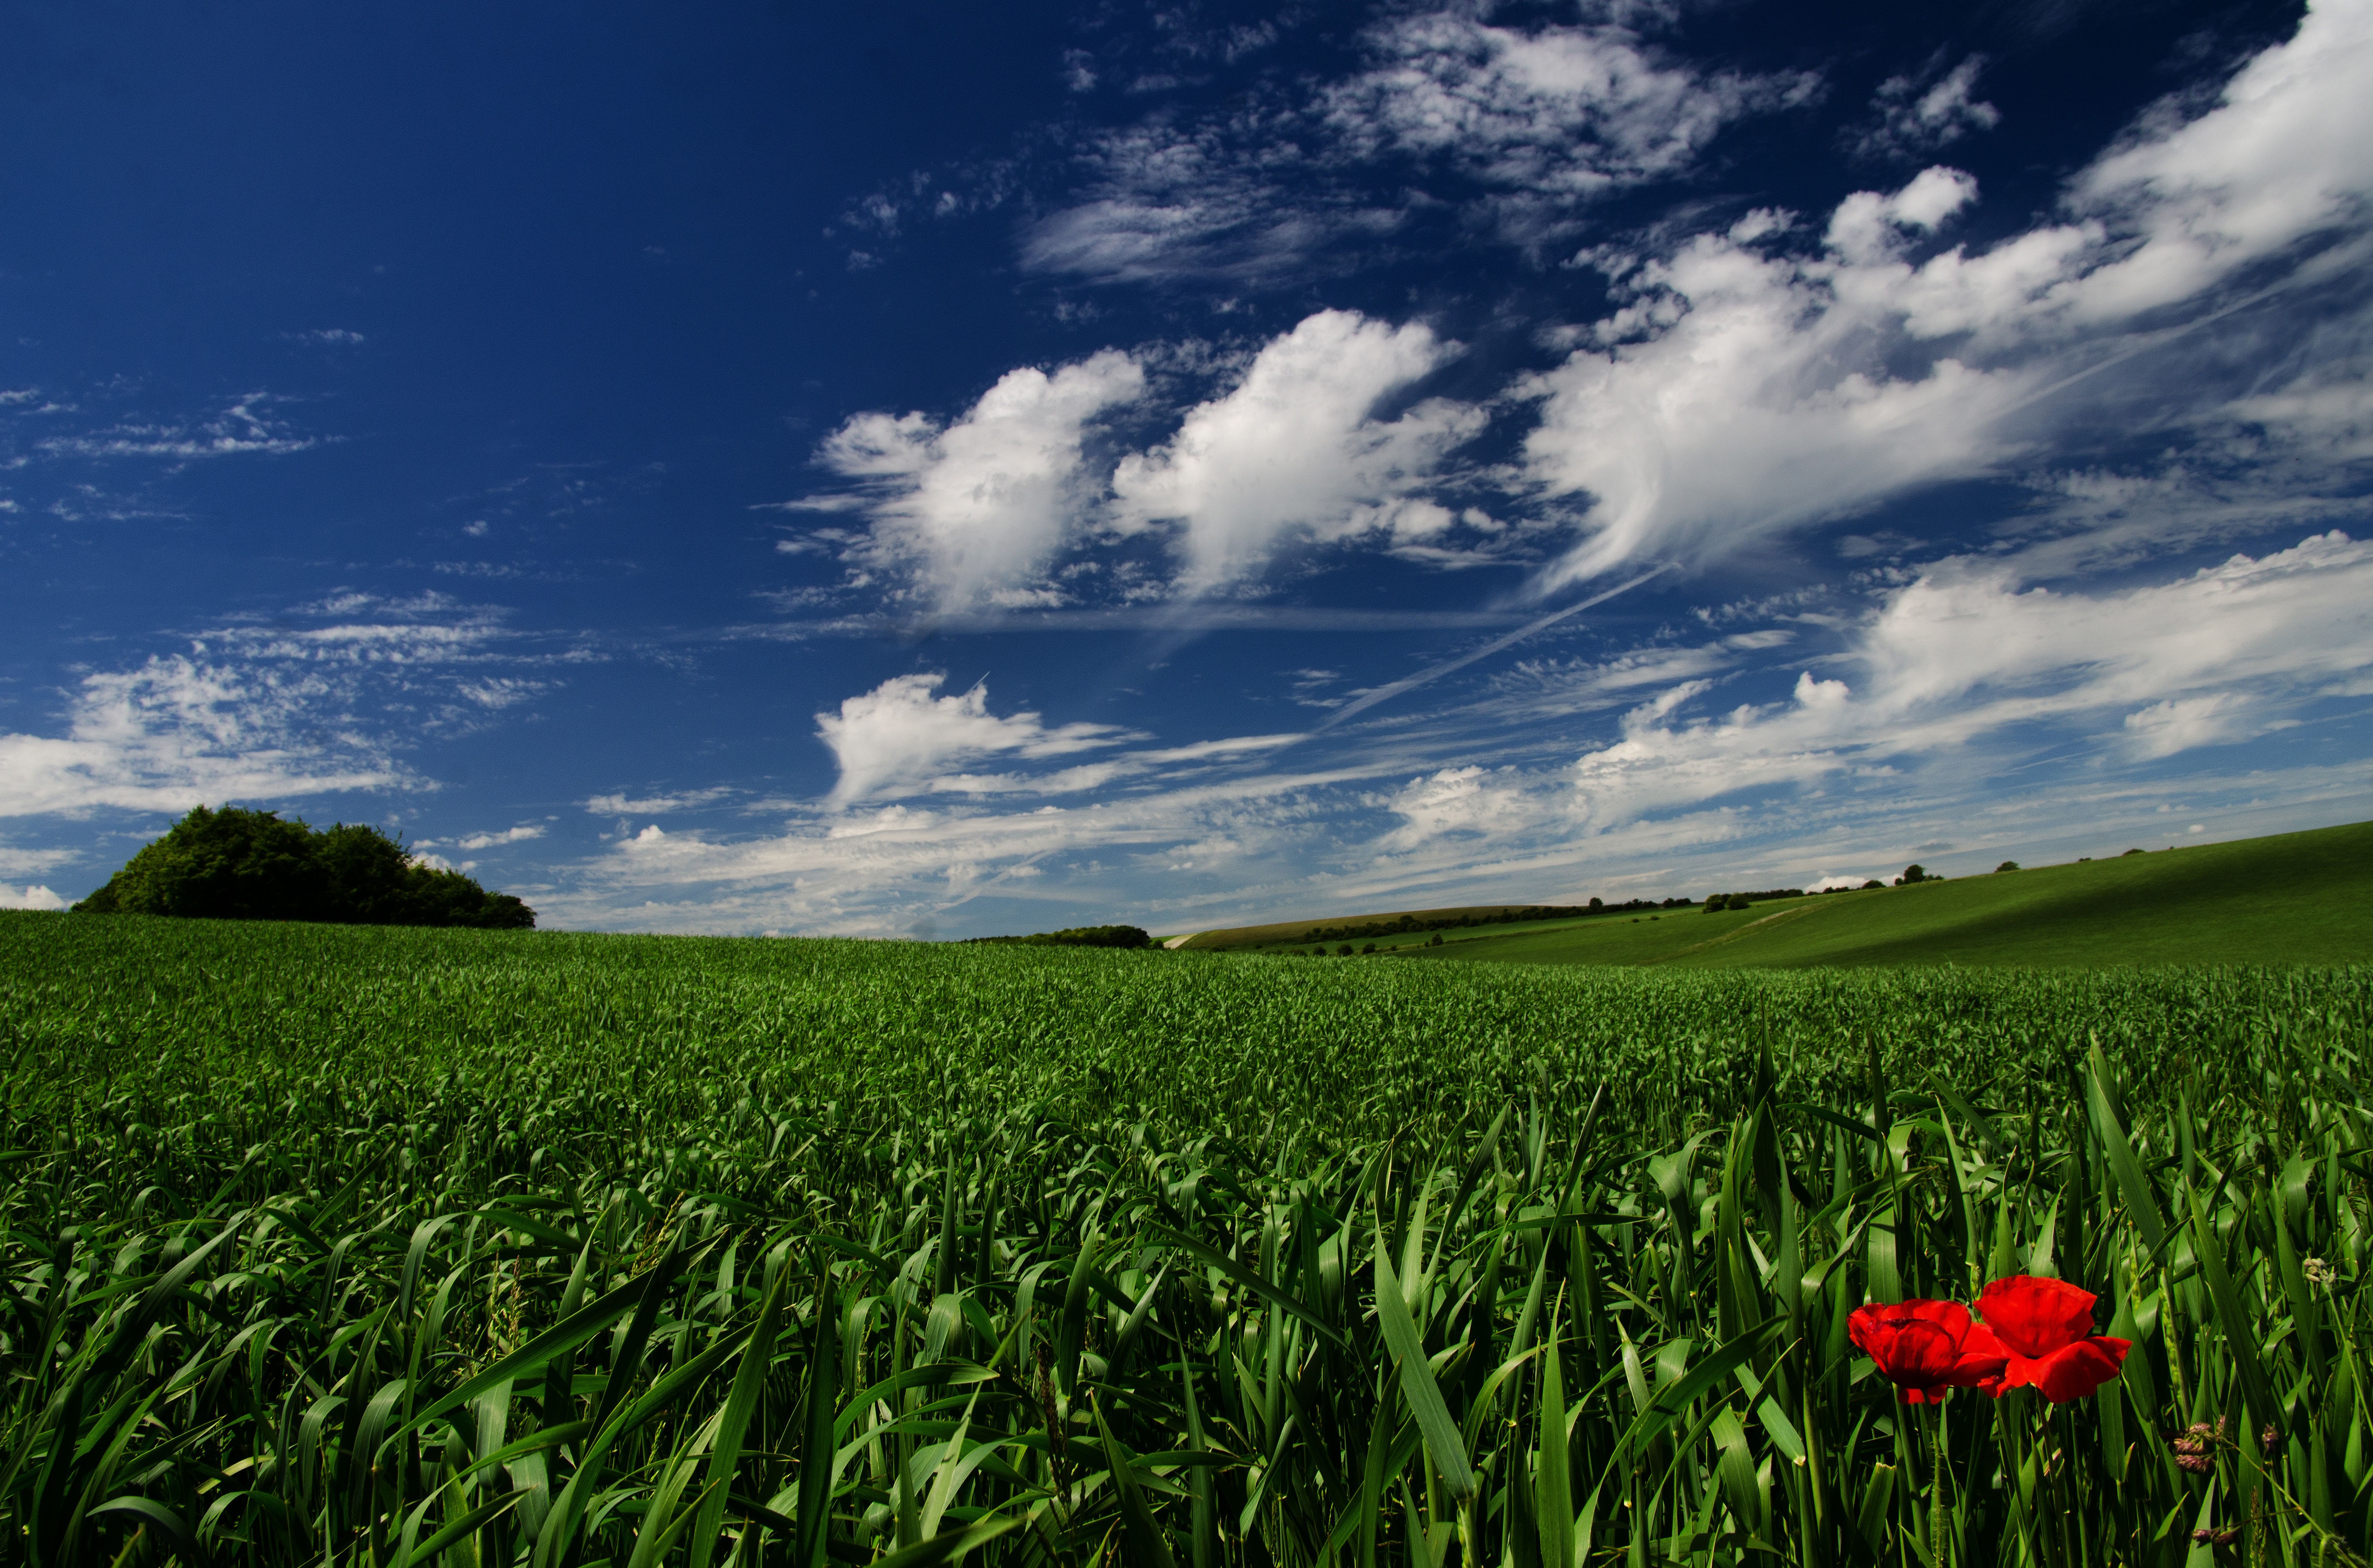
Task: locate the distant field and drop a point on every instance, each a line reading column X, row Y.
column 1289, row 933
column 2293, row 899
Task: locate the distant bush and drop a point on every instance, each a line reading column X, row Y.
column 2006, row 866
column 1344, row 950
column 236, row 864
column 1436, row 940
column 2130, row 852
column 1077, row 936
column 1749, row 900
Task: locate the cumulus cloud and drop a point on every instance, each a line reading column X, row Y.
column 1741, row 396
column 976, row 508
column 1295, row 451
column 1470, row 803
column 33, row 898
column 899, row 736
column 1747, row 387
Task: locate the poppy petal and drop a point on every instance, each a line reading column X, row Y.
column 1981, row 1360
column 2072, row 1372
column 2035, row 1316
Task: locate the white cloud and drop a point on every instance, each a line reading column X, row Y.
column 1543, row 120
column 177, row 732
column 1295, row 450
column 1915, row 115
column 1548, row 116
column 1963, row 655
column 1888, row 744
column 322, row 699
column 1754, row 400
column 1746, row 389
column 977, row 508
column 877, row 871
column 33, row 898
column 898, row 737
column 2287, row 153
column 1469, row 804
column 656, row 806
column 246, row 427
column 508, row 836
column 1238, row 196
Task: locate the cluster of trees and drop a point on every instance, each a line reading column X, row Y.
column 235, row 864
column 1746, row 900
column 1343, row 950
column 1077, row 936
column 1406, row 925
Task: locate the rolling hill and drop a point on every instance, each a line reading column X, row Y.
column 2292, row 899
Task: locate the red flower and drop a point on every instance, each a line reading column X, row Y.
column 2047, row 1327
column 1926, row 1347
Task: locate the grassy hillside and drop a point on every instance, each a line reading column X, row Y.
column 2293, row 899
column 1287, row 933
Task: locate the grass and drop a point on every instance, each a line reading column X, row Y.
column 2296, row 897
column 1285, row 935
column 353, row 1247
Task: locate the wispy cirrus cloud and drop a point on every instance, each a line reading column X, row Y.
column 1920, row 113
column 1523, row 127
column 1903, row 714
column 1545, row 119
column 327, row 697
column 621, row 804
column 246, row 426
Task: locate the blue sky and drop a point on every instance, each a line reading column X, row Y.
column 911, row 470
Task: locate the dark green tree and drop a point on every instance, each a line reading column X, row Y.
column 231, row 864
column 237, row 864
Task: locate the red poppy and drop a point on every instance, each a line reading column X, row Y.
column 2047, row 1327
column 1926, row 1346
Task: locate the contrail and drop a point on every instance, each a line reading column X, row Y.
column 1370, row 699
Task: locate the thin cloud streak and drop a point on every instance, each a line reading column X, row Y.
column 1369, row 699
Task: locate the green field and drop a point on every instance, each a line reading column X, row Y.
column 379, row 1247
column 2293, row 898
